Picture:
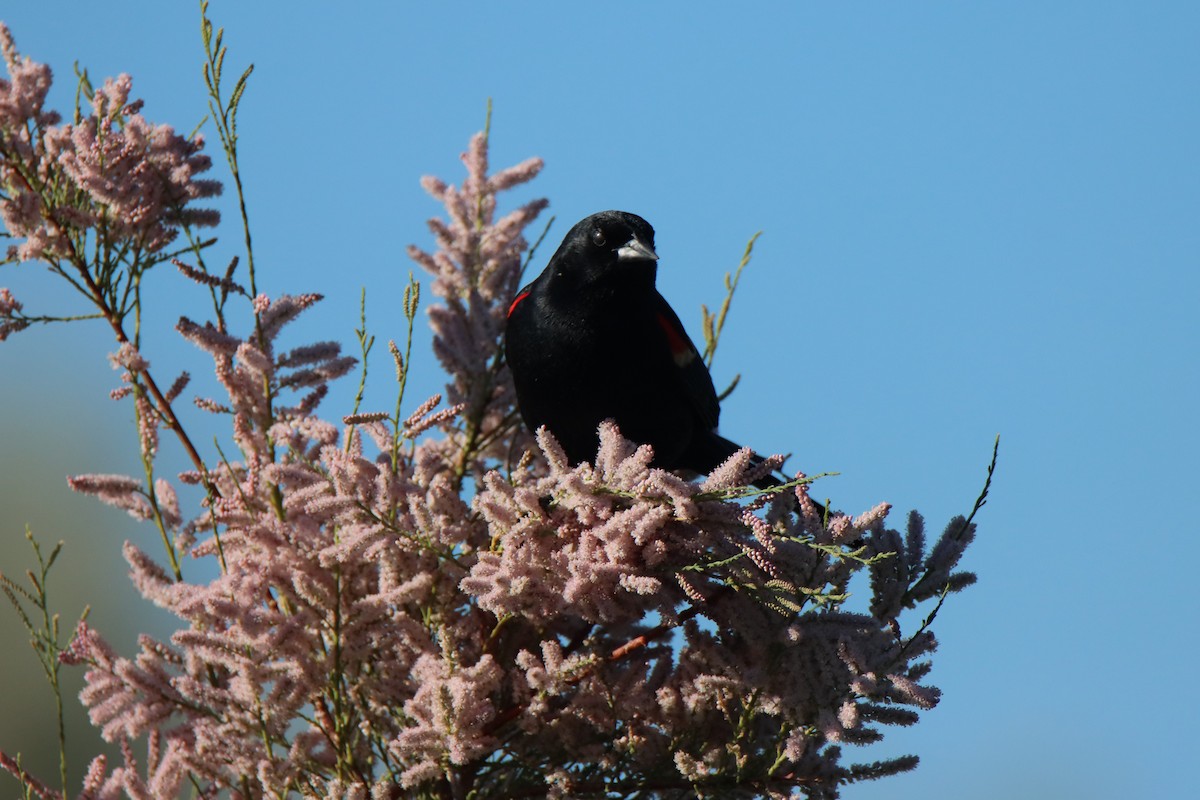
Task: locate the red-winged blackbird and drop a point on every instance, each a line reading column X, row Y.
column 592, row 339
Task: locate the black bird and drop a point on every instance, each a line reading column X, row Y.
column 592, row 339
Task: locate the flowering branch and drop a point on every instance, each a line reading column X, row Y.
column 111, row 179
column 477, row 270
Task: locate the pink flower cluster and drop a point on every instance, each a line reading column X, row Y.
column 10, row 314
column 477, row 270
column 113, row 173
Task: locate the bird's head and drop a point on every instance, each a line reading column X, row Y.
column 604, row 246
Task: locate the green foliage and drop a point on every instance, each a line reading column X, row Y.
column 33, row 607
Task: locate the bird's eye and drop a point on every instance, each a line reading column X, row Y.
column 598, row 237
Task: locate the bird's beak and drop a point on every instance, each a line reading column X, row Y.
column 635, row 250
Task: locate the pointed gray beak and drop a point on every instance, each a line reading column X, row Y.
column 635, row 250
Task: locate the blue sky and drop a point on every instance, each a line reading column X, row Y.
column 980, row 218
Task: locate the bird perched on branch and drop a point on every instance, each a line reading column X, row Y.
column 592, row 339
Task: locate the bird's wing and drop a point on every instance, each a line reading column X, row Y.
column 692, row 372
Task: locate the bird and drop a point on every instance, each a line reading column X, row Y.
column 591, row 339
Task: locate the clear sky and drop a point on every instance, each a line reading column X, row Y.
column 977, row 218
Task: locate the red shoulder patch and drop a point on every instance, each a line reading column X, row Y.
column 681, row 349
column 516, row 302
